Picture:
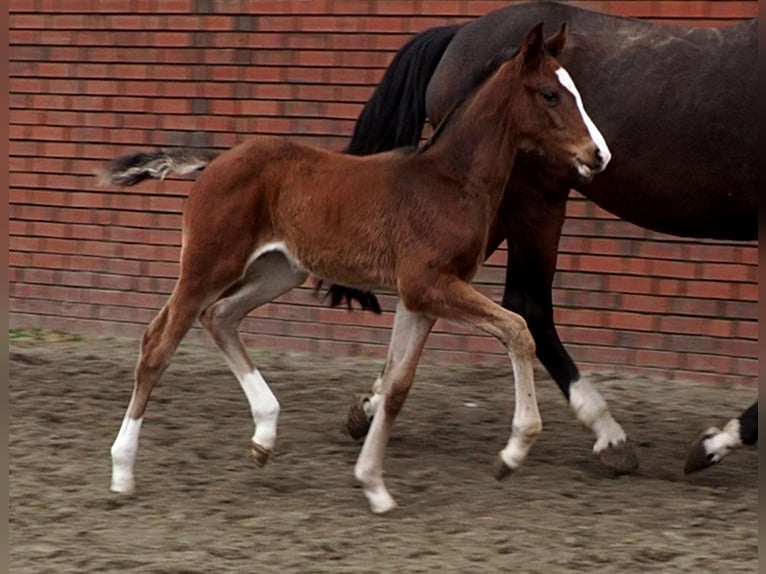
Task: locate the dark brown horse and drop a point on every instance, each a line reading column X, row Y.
column 264, row 215
column 676, row 106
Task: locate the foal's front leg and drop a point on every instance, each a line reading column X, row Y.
column 457, row 301
column 407, row 339
column 532, row 250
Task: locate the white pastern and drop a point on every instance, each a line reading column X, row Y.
column 567, row 81
column 371, row 404
column 368, row 469
column 264, row 408
column 723, row 442
column 515, row 452
column 592, row 411
column 124, row 451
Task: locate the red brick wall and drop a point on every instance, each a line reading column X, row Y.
column 90, row 80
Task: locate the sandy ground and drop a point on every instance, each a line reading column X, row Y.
column 201, row 506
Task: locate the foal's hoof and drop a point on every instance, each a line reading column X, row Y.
column 358, row 422
column 698, row 458
column 620, row 457
column 259, row 454
column 500, row 469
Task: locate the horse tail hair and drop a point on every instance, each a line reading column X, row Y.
column 134, row 168
column 394, row 117
column 395, row 114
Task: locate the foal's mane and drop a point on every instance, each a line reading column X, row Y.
column 487, row 72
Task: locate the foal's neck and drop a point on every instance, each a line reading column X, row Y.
column 477, row 146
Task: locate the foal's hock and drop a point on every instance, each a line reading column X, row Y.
column 264, row 215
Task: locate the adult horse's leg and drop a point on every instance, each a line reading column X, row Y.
column 533, row 225
column 713, row 445
column 267, row 277
column 407, row 339
column 158, row 344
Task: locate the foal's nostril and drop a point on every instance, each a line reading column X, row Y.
column 598, row 163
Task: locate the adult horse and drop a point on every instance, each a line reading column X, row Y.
column 676, row 106
column 266, row 213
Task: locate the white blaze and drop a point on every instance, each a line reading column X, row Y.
column 595, row 134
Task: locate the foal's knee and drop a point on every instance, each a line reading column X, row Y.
column 519, row 338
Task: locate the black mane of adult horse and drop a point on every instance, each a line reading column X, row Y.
column 676, row 106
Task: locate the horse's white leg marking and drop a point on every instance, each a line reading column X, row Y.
column 567, row 81
column 264, row 408
column 371, row 404
column 369, row 465
column 527, row 422
column 124, row 451
column 268, row 275
column 593, row 412
column 407, row 339
column 722, row 442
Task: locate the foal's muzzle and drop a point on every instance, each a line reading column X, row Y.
column 587, row 168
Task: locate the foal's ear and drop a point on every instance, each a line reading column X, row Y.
column 555, row 43
column 532, row 47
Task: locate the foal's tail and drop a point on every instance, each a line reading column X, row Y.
column 134, row 168
column 395, row 114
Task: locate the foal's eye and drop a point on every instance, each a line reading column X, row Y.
column 551, row 97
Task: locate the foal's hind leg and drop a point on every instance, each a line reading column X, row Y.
column 267, row 277
column 363, row 408
column 157, row 347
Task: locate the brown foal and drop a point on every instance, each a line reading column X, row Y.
column 264, row 215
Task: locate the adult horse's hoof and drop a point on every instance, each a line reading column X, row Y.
column 620, row 457
column 500, row 469
column 259, row 454
column 358, row 421
column 698, row 458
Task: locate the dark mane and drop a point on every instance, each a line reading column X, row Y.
column 489, row 69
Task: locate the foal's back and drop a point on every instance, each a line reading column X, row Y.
column 274, row 190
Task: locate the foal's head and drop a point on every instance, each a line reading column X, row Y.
column 547, row 108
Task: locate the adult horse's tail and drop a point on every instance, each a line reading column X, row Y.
column 394, row 117
column 395, row 114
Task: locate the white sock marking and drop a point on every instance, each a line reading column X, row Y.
column 368, row 472
column 567, row 81
column 592, row 411
column 723, row 442
column 515, row 452
column 124, row 451
column 264, row 407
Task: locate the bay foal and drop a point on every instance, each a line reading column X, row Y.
column 264, row 215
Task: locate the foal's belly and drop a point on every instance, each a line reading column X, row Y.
column 353, row 265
